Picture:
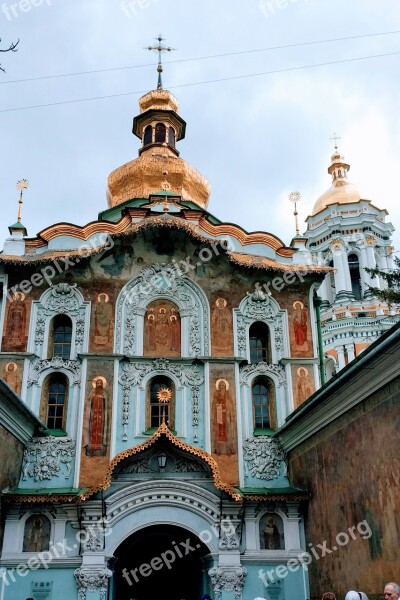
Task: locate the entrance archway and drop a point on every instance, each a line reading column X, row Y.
column 161, row 561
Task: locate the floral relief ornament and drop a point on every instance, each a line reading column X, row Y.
column 228, row 579
column 264, row 457
column 44, row 457
column 92, row 580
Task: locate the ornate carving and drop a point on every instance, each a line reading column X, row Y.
column 264, row 457
column 94, row 538
column 44, row 457
column 133, row 374
column 36, row 368
column 262, row 368
column 169, row 282
column 259, row 306
column 92, row 579
column 228, row 538
column 62, row 298
column 230, row 579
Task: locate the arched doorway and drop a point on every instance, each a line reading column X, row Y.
column 161, row 561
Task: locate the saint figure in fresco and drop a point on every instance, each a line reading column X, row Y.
column 300, row 326
column 150, row 331
column 175, row 332
column 16, row 320
column 103, row 318
column 10, row 376
column 271, row 538
column 224, row 432
column 95, row 420
column 162, row 332
column 304, row 386
column 36, row 534
column 222, row 325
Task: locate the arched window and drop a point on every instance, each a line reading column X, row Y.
column 60, row 337
column 148, row 135
column 161, row 402
column 330, row 368
column 53, row 408
column 36, row 534
column 260, row 346
column 354, row 267
column 171, row 137
column 263, row 400
column 161, row 132
column 162, row 329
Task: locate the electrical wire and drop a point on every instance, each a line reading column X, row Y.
column 183, row 85
column 182, row 60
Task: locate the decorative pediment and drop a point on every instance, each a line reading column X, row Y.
column 164, row 459
column 178, row 450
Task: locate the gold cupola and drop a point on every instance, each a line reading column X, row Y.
column 341, row 190
column 159, row 127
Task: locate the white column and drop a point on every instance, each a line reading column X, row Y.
column 341, row 360
column 372, row 264
column 365, row 277
column 340, row 281
column 346, row 271
column 350, row 352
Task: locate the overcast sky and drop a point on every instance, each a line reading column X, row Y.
column 255, row 138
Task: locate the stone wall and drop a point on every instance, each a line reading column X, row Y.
column 351, row 469
column 11, row 454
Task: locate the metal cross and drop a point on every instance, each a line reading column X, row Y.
column 335, row 138
column 160, row 48
column 21, row 186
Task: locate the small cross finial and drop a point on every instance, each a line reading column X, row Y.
column 335, row 138
column 160, row 48
column 295, row 197
column 21, row 186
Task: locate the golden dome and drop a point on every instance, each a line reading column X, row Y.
column 341, row 190
column 147, row 175
column 159, row 166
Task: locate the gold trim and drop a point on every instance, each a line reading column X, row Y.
column 163, row 430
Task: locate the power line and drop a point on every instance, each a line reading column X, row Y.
column 182, row 85
column 181, row 60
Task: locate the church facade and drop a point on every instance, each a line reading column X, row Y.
column 160, row 350
column 351, row 235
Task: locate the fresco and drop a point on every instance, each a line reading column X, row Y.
column 96, row 424
column 36, row 534
column 303, row 384
column 162, row 330
column 11, row 373
column 221, row 327
column 271, row 532
column 223, row 421
column 16, row 324
column 300, row 329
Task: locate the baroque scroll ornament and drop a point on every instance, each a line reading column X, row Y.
column 44, row 458
column 258, row 306
column 92, row 579
column 166, row 281
column 62, row 298
column 264, row 457
column 262, row 368
column 133, row 374
column 39, row 366
column 230, row 579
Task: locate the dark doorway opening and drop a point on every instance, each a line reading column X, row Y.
column 161, row 561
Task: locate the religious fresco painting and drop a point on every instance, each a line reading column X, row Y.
column 11, row 373
column 103, row 322
column 162, row 329
column 221, row 326
column 345, row 453
column 223, row 422
column 271, row 532
column 15, row 337
column 96, row 424
column 36, row 534
column 303, row 384
column 300, row 330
